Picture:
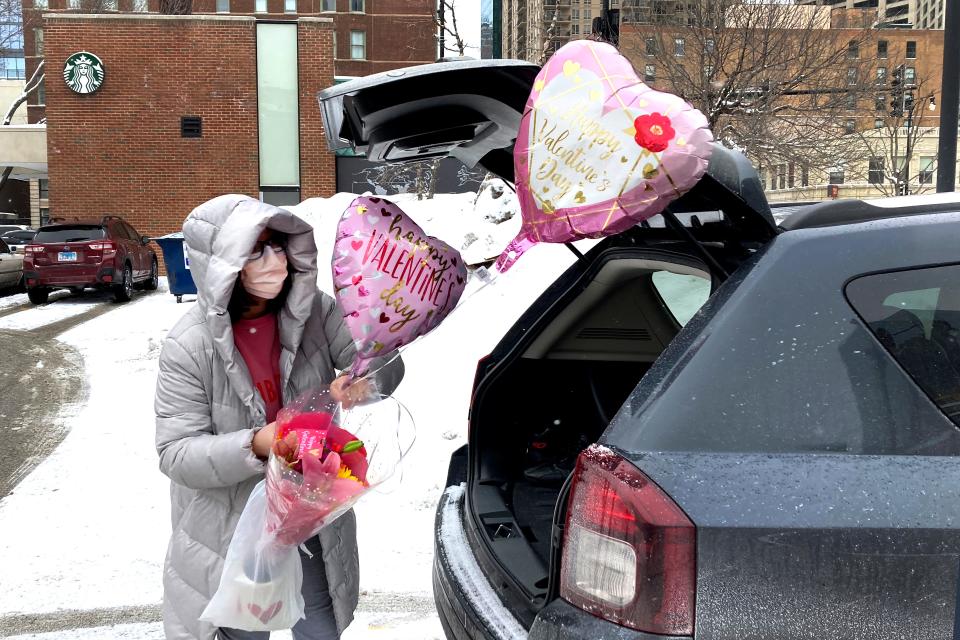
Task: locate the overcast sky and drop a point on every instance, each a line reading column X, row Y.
column 468, row 22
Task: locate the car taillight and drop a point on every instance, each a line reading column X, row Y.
column 629, row 552
column 102, row 246
column 33, row 248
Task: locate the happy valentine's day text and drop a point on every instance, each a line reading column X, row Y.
column 557, row 169
column 405, row 258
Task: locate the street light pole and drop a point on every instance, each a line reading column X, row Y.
column 908, row 105
column 950, row 96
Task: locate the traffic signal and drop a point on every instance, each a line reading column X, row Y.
column 908, row 102
column 896, row 106
column 896, row 82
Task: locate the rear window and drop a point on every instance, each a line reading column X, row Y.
column 915, row 315
column 68, row 233
column 683, row 295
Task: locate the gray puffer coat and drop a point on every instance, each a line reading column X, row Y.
column 208, row 410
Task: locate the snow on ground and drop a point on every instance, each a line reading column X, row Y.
column 89, row 527
column 17, row 299
column 41, row 315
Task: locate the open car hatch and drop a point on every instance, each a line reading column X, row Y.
column 471, row 110
column 467, row 109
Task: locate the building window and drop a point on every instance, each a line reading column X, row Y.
column 289, row 6
column 881, row 75
column 260, row 6
column 882, row 49
column 586, row 13
column 574, row 13
column 44, row 186
column 781, row 176
column 911, row 49
column 835, row 175
column 791, row 175
column 38, row 41
column 41, row 4
column 335, row 54
column 853, row 50
column 141, row 6
column 73, row 4
column 678, row 46
column 878, row 123
column 926, row 169
column 649, row 73
column 651, row 46
column 575, row 29
column 357, row 6
column 358, row 45
column 329, row 6
column 804, row 176
column 910, row 75
column 708, row 71
column 41, row 93
column 710, row 45
column 849, row 126
column 850, row 101
column 875, row 172
column 109, row 5
column 880, row 102
column 851, row 75
column 223, row 6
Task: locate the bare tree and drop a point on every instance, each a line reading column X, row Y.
column 448, row 35
column 905, row 119
column 772, row 79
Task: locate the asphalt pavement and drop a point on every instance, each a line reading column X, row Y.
column 39, row 377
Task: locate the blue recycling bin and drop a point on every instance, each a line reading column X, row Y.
column 178, row 265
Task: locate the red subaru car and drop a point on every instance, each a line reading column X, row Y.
column 106, row 254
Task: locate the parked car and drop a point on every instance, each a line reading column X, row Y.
column 11, row 267
column 106, row 254
column 4, row 228
column 710, row 426
column 17, row 240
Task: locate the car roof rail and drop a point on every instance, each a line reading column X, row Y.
column 104, row 219
column 840, row 212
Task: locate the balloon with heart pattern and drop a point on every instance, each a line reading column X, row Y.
column 393, row 281
column 599, row 151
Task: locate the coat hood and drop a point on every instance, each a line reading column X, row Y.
column 220, row 234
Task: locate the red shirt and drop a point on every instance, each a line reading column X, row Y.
column 258, row 341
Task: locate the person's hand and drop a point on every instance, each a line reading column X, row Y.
column 263, row 440
column 349, row 392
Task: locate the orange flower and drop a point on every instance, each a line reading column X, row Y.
column 347, row 474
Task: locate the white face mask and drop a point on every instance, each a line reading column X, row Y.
column 264, row 275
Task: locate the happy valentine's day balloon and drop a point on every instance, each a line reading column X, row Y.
column 393, row 281
column 598, row 151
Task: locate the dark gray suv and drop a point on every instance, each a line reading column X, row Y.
column 747, row 430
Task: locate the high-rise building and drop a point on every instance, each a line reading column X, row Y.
column 918, row 14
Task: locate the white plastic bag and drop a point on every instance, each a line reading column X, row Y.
column 260, row 585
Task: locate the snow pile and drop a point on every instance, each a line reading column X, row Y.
column 477, row 225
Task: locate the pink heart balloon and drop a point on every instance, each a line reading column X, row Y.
column 599, row 151
column 393, row 281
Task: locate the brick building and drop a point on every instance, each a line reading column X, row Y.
column 190, row 107
column 369, row 36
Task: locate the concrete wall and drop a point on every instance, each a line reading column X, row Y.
column 9, row 90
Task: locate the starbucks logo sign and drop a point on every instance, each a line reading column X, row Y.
column 83, row 72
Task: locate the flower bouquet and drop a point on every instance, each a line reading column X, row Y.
column 324, row 459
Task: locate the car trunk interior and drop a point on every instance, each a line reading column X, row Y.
column 555, row 396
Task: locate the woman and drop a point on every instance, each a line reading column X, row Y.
column 260, row 335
